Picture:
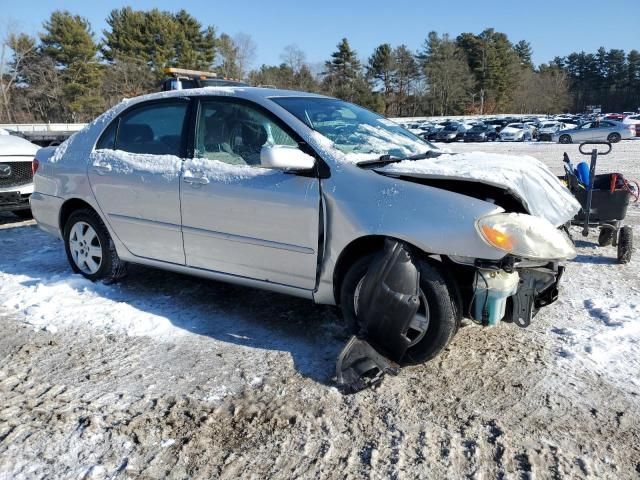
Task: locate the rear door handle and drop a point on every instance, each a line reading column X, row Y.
column 196, row 180
column 102, row 169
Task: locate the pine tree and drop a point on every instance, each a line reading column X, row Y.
column 343, row 73
column 158, row 39
column 449, row 79
column 406, row 73
column 494, row 63
column 68, row 41
column 381, row 69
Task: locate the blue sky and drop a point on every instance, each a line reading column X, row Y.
column 553, row 28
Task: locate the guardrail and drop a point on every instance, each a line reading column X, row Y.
column 43, row 127
column 43, row 134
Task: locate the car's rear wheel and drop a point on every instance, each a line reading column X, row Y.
column 565, row 139
column 614, row 137
column 434, row 325
column 89, row 248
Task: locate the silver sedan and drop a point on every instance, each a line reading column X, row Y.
column 598, row 131
column 295, row 193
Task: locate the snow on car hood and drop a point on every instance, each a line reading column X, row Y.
column 528, row 179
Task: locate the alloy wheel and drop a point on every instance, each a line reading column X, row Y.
column 85, row 248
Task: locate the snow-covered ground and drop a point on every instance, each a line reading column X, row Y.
column 167, row 375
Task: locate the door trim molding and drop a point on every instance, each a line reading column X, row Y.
column 249, row 240
column 142, row 221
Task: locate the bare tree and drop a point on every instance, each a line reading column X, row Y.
column 293, row 57
column 245, row 52
column 14, row 50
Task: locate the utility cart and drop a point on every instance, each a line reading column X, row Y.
column 604, row 199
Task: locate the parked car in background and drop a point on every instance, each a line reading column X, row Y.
column 547, row 129
column 633, row 120
column 497, row 124
column 16, row 176
column 516, row 132
column 481, row 133
column 598, row 131
column 450, row 133
column 616, row 117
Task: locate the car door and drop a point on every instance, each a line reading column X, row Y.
column 584, row 133
column 603, row 131
column 135, row 173
column 242, row 219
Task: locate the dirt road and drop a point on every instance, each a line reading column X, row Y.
column 170, row 376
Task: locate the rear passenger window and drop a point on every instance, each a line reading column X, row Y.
column 108, row 137
column 155, row 129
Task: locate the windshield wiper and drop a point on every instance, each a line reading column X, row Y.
column 385, row 159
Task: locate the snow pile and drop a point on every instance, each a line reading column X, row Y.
column 525, row 177
column 39, row 286
column 60, row 301
column 168, row 166
column 610, row 341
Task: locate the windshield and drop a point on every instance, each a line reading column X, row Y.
column 359, row 133
column 479, row 128
column 549, row 125
column 519, row 126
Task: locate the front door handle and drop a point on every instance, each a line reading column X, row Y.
column 196, row 180
column 102, row 168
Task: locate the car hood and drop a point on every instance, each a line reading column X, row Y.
column 526, row 178
column 15, row 146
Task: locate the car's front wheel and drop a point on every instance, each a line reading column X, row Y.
column 434, row 325
column 89, row 248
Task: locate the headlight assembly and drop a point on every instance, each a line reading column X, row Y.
column 525, row 236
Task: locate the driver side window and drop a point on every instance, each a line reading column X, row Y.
column 235, row 133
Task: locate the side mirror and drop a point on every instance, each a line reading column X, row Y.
column 285, row 157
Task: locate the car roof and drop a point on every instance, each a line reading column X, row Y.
column 250, row 93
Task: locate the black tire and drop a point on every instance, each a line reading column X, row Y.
column 614, row 137
column 625, row 244
column 606, row 236
column 111, row 268
column 565, row 139
column 444, row 317
column 24, row 214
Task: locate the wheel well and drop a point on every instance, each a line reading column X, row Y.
column 353, row 252
column 366, row 245
column 69, row 207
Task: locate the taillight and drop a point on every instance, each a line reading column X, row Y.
column 34, row 166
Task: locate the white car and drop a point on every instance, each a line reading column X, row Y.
column 516, row 132
column 548, row 128
column 16, row 175
column 633, row 120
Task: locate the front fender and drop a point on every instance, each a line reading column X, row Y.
column 361, row 203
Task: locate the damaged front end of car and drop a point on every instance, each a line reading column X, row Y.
column 511, row 289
